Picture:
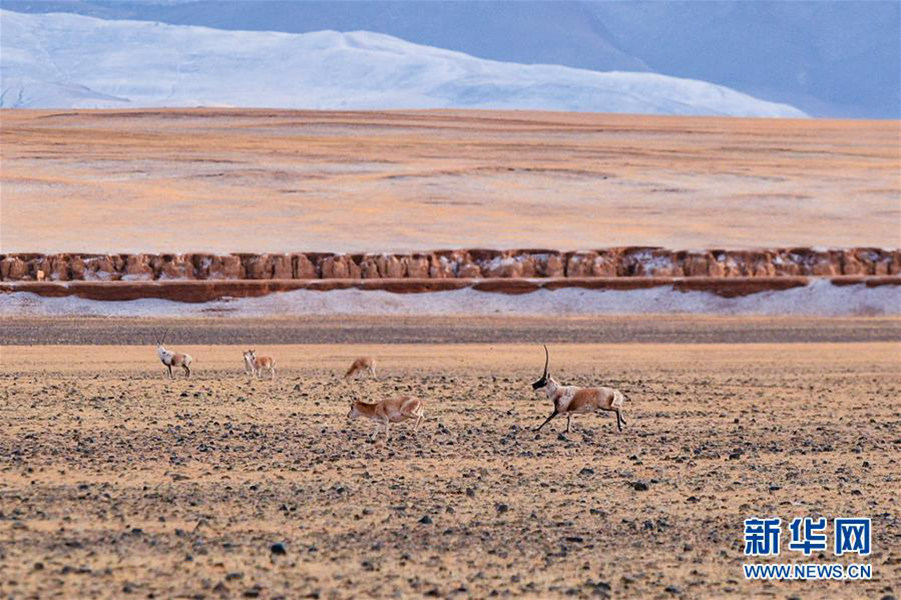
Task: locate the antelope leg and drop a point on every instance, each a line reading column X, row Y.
column 548, row 420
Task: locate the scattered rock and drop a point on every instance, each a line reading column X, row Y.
column 253, row 592
column 278, row 549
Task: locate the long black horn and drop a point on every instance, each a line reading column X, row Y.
column 543, row 381
column 547, row 360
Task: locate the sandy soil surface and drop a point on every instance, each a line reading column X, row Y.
column 118, row 483
column 281, row 181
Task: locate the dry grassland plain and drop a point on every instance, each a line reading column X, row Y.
column 286, row 181
column 119, row 483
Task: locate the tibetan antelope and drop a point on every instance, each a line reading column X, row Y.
column 364, row 363
column 394, row 410
column 254, row 364
column 173, row 359
column 571, row 400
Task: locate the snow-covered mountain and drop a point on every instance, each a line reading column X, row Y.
column 830, row 58
column 66, row 60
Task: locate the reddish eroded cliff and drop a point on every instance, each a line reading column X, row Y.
column 627, row 262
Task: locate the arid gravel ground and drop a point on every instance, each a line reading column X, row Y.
column 221, row 180
column 118, row 483
column 449, row 329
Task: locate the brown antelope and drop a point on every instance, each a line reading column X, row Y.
column 173, row 359
column 254, row 364
column 364, row 363
column 394, row 410
column 570, row 400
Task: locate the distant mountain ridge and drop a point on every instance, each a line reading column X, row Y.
column 66, row 60
column 829, row 58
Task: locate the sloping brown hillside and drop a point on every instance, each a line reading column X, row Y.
column 274, row 181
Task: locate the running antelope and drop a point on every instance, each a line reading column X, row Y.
column 394, row 410
column 364, row 363
column 173, row 359
column 255, row 364
column 570, row 400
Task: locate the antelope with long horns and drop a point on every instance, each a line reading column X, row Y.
column 173, row 359
column 394, row 410
column 571, row 400
column 364, row 363
column 255, row 364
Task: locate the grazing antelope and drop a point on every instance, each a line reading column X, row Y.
column 173, row 359
column 255, row 364
column 394, row 410
column 364, row 363
column 570, row 400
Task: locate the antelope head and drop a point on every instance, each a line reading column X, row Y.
column 544, row 378
column 162, row 338
column 354, row 411
column 160, row 350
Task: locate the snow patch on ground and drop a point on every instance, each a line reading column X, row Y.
column 820, row 298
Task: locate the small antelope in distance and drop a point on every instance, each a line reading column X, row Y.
column 570, row 400
column 364, row 363
column 394, row 410
column 173, row 359
column 255, row 364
